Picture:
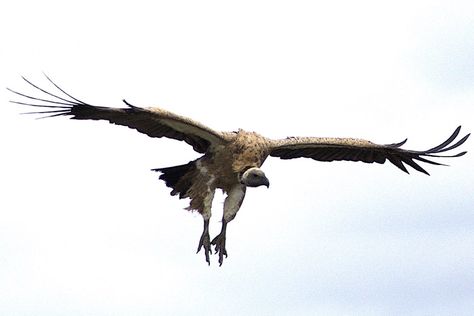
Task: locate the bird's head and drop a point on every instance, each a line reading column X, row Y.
column 254, row 177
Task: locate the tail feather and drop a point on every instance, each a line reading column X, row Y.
column 175, row 178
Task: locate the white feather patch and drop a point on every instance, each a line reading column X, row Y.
column 233, row 202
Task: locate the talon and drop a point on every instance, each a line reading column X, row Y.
column 204, row 242
column 219, row 243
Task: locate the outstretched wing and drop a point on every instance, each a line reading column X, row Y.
column 154, row 122
column 351, row 149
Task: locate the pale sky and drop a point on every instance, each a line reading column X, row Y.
column 87, row 229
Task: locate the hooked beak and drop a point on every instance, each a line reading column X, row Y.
column 266, row 182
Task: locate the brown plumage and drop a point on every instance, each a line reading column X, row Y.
column 231, row 161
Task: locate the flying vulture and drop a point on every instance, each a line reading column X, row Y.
column 230, row 161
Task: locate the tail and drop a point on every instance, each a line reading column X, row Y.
column 178, row 178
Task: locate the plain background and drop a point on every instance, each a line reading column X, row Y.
column 87, row 229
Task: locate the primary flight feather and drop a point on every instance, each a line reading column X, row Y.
column 231, row 161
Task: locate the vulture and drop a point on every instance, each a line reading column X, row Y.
column 230, row 161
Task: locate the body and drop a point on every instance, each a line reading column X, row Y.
column 230, row 168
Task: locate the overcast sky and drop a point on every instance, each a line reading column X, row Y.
column 87, row 229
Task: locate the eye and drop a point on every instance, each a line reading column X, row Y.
column 255, row 175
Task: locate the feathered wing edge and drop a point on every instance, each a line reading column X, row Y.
column 333, row 149
column 409, row 156
column 153, row 122
column 61, row 107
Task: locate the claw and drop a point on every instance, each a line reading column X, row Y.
column 219, row 243
column 204, row 242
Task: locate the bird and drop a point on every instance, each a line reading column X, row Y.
column 230, row 161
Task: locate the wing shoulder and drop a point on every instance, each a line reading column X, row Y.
column 326, row 149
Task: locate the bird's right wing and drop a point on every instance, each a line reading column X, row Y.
column 352, row 149
column 154, row 122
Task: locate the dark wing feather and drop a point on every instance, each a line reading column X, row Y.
column 154, row 122
column 351, row 149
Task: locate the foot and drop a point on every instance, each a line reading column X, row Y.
column 205, row 242
column 219, row 243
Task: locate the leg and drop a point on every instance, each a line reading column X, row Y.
column 205, row 241
column 219, row 242
column 232, row 204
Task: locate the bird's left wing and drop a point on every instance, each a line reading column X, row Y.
column 351, row 149
column 154, row 122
